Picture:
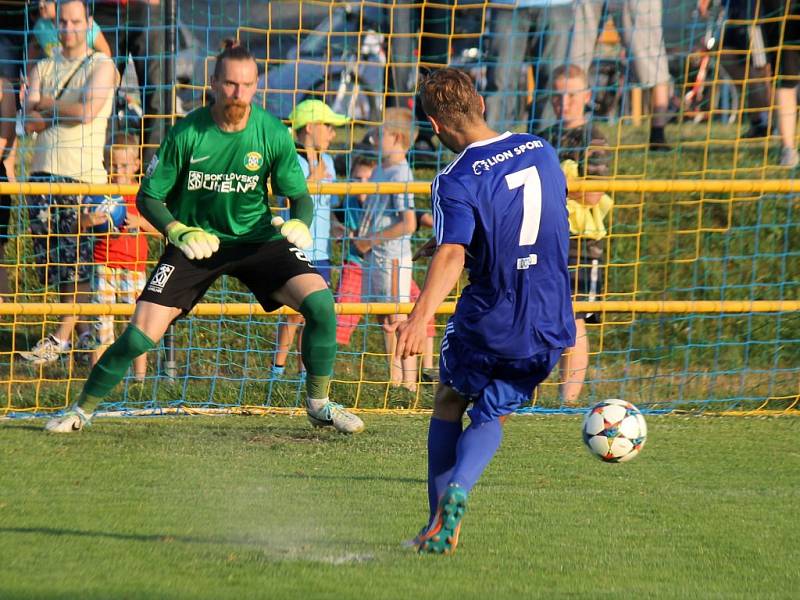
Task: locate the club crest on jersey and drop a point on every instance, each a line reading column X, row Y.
column 253, row 161
column 479, row 166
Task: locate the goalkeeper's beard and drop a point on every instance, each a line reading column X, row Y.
column 234, row 111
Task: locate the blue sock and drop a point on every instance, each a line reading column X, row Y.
column 476, row 447
column 442, row 441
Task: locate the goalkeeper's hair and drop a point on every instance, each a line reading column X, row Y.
column 450, row 95
column 231, row 50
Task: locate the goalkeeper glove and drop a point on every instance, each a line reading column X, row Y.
column 192, row 241
column 294, row 230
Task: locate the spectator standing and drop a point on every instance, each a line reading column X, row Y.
column 384, row 236
column 135, row 28
column 314, row 125
column 350, row 282
column 583, row 152
column 45, row 34
column 69, row 101
column 742, row 55
column 420, row 41
column 512, row 34
column 639, row 22
column 8, row 112
column 782, row 37
column 13, row 28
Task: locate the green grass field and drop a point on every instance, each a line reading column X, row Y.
column 266, row 507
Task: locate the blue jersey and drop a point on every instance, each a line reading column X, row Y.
column 504, row 199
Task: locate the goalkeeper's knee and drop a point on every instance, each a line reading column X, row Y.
column 318, row 310
column 132, row 343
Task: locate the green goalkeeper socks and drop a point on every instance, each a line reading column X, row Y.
column 319, row 341
column 113, row 365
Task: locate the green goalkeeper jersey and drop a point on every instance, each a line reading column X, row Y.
column 217, row 180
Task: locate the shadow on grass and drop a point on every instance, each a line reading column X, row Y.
column 57, row 532
column 346, row 477
column 264, row 545
column 18, row 426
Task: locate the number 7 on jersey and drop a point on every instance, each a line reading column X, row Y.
column 528, row 180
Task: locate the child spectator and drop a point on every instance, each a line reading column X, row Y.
column 66, row 151
column 350, row 282
column 314, row 124
column 44, row 42
column 583, row 151
column 8, row 136
column 384, row 236
column 121, row 259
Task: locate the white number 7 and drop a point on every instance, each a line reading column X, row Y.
column 528, row 180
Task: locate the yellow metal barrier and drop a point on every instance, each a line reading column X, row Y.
column 240, row 309
column 764, row 186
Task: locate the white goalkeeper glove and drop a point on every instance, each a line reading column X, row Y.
column 295, row 231
column 192, row 241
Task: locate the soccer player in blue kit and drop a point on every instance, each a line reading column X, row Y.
column 499, row 210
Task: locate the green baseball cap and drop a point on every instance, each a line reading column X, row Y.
column 315, row 111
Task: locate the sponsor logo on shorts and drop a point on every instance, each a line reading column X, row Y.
column 160, row 278
column 253, row 161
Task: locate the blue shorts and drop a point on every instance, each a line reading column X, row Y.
column 324, row 268
column 495, row 386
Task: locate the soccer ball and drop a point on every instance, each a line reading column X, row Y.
column 614, row 430
column 112, row 206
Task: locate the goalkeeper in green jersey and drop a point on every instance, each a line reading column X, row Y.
column 206, row 191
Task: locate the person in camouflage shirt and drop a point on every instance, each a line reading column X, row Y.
column 584, row 152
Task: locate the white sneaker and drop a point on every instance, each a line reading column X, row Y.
column 789, row 157
column 334, row 415
column 46, row 351
column 72, row 420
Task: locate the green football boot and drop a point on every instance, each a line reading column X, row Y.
column 442, row 536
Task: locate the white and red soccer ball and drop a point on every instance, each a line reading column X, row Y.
column 614, row 430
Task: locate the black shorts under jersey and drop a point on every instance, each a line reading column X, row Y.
column 263, row 267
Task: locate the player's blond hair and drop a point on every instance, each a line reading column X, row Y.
column 400, row 121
